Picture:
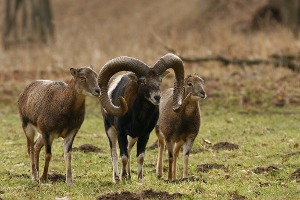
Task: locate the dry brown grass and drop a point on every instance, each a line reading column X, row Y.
column 92, row 32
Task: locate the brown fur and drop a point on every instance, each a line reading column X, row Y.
column 130, row 93
column 55, row 109
column 177, row 129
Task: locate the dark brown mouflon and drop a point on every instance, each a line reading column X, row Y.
column 138, row 95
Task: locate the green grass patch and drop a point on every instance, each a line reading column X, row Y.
column 266, row 137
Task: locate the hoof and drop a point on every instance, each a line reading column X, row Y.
column 35, row 178
column 43, row 180
column 117, row 180
column 140, row 180
column 69, row 181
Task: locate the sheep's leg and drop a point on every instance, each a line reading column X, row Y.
column 170, row 147
column 48, row 154
column 161, row 146
column 186, row 152
column 131, row 142
column 29, row 132
column 39, row 143
column 176, row 150
column 123, row 143
column 141, row 147
column 68, row 142
column 112, row 136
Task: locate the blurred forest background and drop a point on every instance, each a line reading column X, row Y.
column 248, row 51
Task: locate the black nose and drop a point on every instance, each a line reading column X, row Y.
column 97, row 91
column 157, row 98
column 203, row 93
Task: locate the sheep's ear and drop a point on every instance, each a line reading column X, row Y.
column 201, row 79
column 165, row 74
column 141, row 79
column 73, row 71
column 132, row 77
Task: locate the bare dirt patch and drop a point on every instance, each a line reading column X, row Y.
column 18, row 176
column 266, row 184
column 199, row 150
column 146, row 194
column 225, row 146
column 207, row 167
column 85, row 148
column 150, row 165
column 55, row 177
column 296, row 175
column 261, row 170
column 236, row 196
column 294, row 153
column 153, row 146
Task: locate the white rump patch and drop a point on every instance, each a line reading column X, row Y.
column 114, row 84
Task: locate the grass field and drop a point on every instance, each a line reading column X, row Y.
column 267, row 138
column 248, row 145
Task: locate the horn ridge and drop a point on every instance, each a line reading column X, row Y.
column 172, row 61
column 122, row 63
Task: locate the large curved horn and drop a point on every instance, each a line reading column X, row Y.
column 185, row 102
column 122, row 63
column 172, row 61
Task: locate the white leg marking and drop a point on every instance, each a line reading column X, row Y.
column 186, row 149
column 39, row 143
column 131, row 142
column 68, row 155
column 140, row 161
column 124, row 165
column 112, row 134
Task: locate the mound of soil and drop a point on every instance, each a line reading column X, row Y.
column 266, row 184
column 296, row 175
column 235, row 196
column 56, row 177
column 153, row 146
column 207, row 167
column 195, row 151
column 18, row 176
column 159, row 195
column 123, row 195
column 146, row 194
column 85, row 148
column 150, row 165
column 225, row 146
column 261, row 170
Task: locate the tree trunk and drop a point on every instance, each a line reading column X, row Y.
column 27, row 21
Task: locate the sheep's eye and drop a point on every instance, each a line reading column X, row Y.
column 82, row 78
column 190, row 84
